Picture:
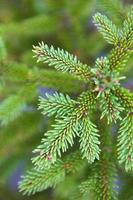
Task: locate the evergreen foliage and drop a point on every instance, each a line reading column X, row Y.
column 86, row 152
column 57, row 104
column 38, row 180
column 61, row 60
column 125, row 142
column 89, row 142
column 107, row 29
column 74, row 117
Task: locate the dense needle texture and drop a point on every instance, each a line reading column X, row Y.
column 87, row 118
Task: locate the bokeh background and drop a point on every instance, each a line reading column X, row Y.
column 63, row 23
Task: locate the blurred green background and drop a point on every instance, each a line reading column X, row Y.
column 62, row 23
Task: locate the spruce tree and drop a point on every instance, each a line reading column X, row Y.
column 87, row 118
column 76, row 103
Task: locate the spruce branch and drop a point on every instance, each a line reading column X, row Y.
column 58, row 104
column 86, row 189
column 20, row 73
column 125, row 142
column 105, row 171
column 13, row 106
column 62, row 60
column 56, row 141
column 38, row 180
column 73, row 117
column 85, row 101
column 104, row 78
column 89, row 140
column 110, row 107
column 106, row 181
column 10, row 109
column 105, row 81
column 127, row 31
column 64, row 131
column 106, row 28
column 120, row 54
column 101, row 184
column 122, row 39
column 15, row 135
column 29, row 27
column 125, row 98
